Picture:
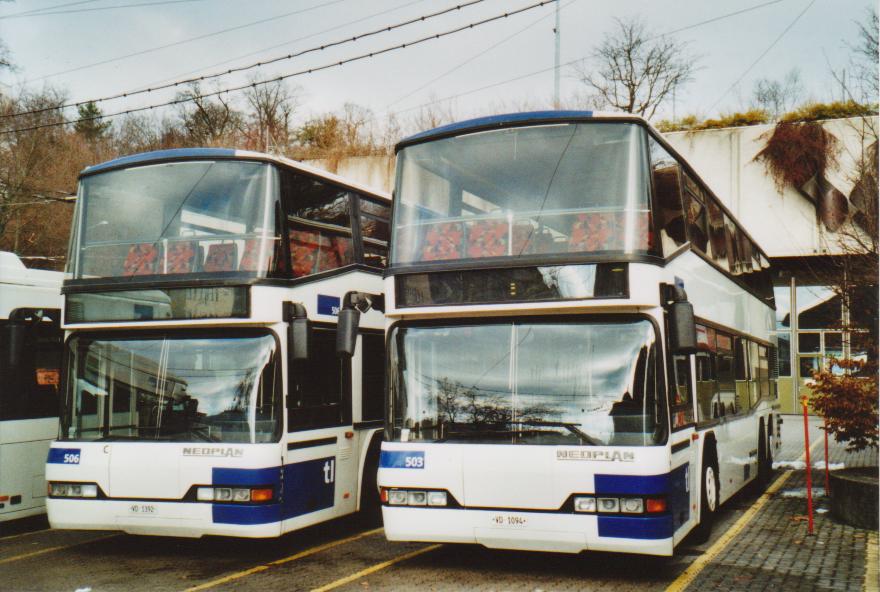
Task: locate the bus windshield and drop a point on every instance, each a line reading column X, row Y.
column 182, row 389
column 175, row 218
column 553, row 383
column 547, row 191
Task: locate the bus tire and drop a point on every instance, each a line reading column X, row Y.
column 370, row 512
column 709, row 497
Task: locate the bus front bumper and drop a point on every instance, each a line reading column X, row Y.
column 161, row 518
column 531, row 531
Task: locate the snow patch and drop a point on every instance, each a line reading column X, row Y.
column 831, row 466
column 797, row 465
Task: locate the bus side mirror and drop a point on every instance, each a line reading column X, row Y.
column 681, row 323
column 682, row 328
column 347, row 331
column 299, row 332
column 353, row 304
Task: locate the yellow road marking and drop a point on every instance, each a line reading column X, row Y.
column 375, row 568
column 872, row 558
column 24, row 534
column 51, row 549
column 264, row 567
column 694, row 569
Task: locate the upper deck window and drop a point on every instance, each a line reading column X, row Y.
column 545, row 191
column 176, row 218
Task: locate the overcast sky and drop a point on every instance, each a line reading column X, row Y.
column 60, row 49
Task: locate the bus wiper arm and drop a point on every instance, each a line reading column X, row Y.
column 571, row 427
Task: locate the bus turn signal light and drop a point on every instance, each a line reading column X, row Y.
column 261, row 495
column 655, row 505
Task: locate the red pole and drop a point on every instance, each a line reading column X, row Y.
column 809, row 473
column 827, row 478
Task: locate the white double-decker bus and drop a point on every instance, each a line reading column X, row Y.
column 30, row 362
column 202, row 391
column 579, row 340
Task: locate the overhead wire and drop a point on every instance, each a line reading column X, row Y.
column 36, row 10
column 288, row 42
column 45, row 12
column 267, row 62
column 570, row 62
column 474, row 57
column 185, row 41
column 312, row 70
column 763, row 54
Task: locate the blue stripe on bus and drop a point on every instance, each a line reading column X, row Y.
column 63, row 456
column 305, row 487
column 402, row 459
column 673, row 485
column 636, row 527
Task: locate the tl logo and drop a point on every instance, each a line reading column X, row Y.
column 330, row 471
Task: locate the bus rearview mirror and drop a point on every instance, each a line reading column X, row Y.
column 299, row 335
column 347, row 331
column 682, row 328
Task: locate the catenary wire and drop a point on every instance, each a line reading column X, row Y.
column 342, row 62
column 37, row 10
column 45, row 12
column 184, row 41
column 763, row 54
column 474, row 57
column 570, row 62
column 267, row 62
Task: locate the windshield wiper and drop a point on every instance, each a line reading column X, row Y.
column 571, row 427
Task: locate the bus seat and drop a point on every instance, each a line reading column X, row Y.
column 142, row 259
column 443, row 241
column 221, row 257
column 250, row 258
column 303, row 252
column 335, row 252
column 487, row 238
column 182, row 257
column 597, row 231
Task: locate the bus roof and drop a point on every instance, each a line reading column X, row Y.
column 513, row 119
column 13, row 271
column 221, row 153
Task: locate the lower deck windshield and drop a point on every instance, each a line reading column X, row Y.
column 193, row 388
column 551, row 383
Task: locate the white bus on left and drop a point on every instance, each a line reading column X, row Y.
column 30, row 360
column 202, row 392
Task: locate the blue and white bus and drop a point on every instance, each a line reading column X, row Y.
column 202, row 392
column 579, row 340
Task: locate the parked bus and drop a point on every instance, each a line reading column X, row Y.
column 30, row 362
column 579, row 340
column 202, row 392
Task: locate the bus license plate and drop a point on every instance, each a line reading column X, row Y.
column 143, row 510
column 507, row 520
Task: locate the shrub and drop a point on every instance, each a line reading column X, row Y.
column 796, row 151
column 745, row 118
column 835, row 110
column 848, row 403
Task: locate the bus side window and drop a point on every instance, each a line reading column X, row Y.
column 667, row 197
column 707, row 402
column 696, row 215
column 758, row 375
column 680, row 395
column 743, row 374
column 372, row 376
column 31, row 389
column 315, row 397
column 375, row 231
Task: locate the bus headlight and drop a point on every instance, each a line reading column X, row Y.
column 413, row 497
column 236, row 495
column 436, row 498
column 585, row 504
column 396, row 497
column 609, row 504
column 416, row 498
column 80, row 490
column 631, row 505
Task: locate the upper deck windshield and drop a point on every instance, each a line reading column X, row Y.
column 196, row 388
column 551, row 383
column 176, row 218
column 541, row 192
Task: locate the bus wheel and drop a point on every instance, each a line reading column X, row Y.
column 708, row 497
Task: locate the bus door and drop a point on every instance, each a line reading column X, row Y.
column 320, row 459
column 684, row 460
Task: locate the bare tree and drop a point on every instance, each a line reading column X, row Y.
column 209, row 121
column 635, row 71
column 272, row 106
column 778, row 96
